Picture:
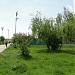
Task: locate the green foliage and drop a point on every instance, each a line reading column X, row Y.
column 55, row 31
column 68, row 26
column 16, row 45
column 46, row 30
column 21, row 41
column 17, row 39
column 2, row 38
column 24, row 49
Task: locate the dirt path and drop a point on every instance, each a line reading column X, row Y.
column 3, row 47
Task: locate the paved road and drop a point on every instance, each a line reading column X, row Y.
column 3, row 47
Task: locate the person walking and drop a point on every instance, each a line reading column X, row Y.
column 6, row 44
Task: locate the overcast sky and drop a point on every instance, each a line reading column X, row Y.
column 8, row 8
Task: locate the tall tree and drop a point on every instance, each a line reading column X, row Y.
column 68, row 25
column 46, row 30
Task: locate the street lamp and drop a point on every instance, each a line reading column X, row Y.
column 16, row 21
column 8, row 33
column 2, row 30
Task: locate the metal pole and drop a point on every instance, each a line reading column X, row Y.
column 2, row 30
column 8, row 33
column 16, row 21
column 15, row 26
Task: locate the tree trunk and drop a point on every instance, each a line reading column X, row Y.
column 48, row 46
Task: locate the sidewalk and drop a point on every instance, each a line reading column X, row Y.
column 3, row 47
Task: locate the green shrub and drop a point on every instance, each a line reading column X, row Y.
column 17, row 39
column 2, row 38
column 24, row 49
column 21, row 41
column 15, row 45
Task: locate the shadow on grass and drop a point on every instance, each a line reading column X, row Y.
column 57, row 51
column 43, row 51
column 68, row 51
column 24, row 57
column 28, row 57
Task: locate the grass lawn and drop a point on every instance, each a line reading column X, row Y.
column 42, row 62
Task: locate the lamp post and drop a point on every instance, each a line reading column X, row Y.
column 16, row 21
column 8, row 33
column 2, row 30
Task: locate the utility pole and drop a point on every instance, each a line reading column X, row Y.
column 16, row 21
column 2, row 30
column 8, row 33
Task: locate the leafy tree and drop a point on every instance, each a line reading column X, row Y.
column 21, row 41
column 68, row 26
column 59, row 19
column 2, row 38
column 46, row 30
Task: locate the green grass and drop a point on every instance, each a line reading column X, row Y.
column 42, row 62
